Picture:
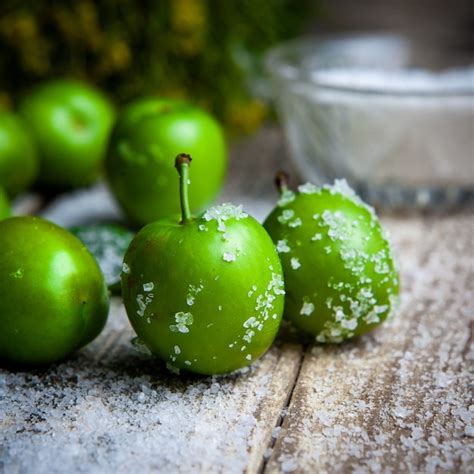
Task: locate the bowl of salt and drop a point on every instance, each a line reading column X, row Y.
column 393, row 118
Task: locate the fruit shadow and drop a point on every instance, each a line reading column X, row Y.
column 125, row 366
column 290, row 334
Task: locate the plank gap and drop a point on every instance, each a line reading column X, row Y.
column 283, row 411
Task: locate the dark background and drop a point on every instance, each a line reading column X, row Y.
column 444, row 23
column 205, row 51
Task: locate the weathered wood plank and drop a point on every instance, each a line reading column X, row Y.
column 398, row 400
column 111, row 409
column 29, row 203
column 269, row 410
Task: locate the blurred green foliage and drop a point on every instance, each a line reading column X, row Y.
column 202, row 50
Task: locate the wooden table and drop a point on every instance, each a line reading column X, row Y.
column 397, row 400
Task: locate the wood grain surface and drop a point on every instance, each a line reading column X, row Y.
column 397, row 400
column 400, row 399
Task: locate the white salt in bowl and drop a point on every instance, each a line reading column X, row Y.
column 362, row 108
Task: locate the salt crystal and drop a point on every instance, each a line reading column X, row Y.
column 223, row 213
column 307, row 309
column 286, row 198
column 295, row 223
column 350, row 324
column 250, row 322
column 286, row 216
column 287, row 464
column 416, row 433
column 295, row 263
column 308, row 188
column 183, row 320
column 228, row 257
column 268, row 452
column 282, row 246
column 401, row 412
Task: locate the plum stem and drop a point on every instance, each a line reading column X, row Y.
column 281, row 181
column 182, row 163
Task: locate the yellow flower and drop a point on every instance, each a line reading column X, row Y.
column 174, row 92
column 19, row 27
column 246, row 117
column 5, row 101
column 87, row 19
column 115, row 56
column 35, row 57
column 188, row 22
column 188, row 15
column 120, row 55
column 64, row 22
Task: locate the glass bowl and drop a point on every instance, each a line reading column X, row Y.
column 394, row 119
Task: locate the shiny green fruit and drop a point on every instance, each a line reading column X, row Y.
column 53, row 298
column 206, row 293
column 340, row 277
column 71, row 123
column 149, row 133
column 18, row 159
column 5, row 210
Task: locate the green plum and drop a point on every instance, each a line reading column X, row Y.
column 18, row 158
column 5, row 210
column 71, row 123
column 340, row 276
column 149, row 133
column 206, row 293
column 53, row 298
